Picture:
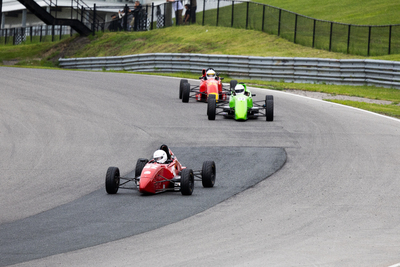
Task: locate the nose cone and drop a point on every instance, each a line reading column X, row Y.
column 241, row 108
column 146, row 185
column 212, row 87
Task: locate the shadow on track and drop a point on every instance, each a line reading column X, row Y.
column 98, row 218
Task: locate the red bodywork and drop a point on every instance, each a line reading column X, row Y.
column 156, row 177
column 210, row 86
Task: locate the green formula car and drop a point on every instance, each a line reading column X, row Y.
column 240, row 105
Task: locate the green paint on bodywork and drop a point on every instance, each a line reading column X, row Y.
column 241, row 103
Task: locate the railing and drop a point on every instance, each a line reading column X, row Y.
column 35, row 34
column 85, row 21
column 311, row 70
column 80, row 11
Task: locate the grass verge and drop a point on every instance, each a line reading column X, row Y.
column 388, row 110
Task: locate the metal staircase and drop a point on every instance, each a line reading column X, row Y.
column 81, row 9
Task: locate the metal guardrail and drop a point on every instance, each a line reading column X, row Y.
column 379, row 73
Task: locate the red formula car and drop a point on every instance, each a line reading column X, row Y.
column 210, row 83
column 160, row 174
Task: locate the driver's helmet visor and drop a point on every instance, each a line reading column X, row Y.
column 239, row 91
column 158, row 158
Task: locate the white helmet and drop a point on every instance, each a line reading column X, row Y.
column 160, row 156
column 239, row 89
column 210, row 74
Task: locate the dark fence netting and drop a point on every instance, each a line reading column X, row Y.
column 225, row 16
column 287, row 25
column 358, row 43
column 322, row 34
column 255, row 16
column 34, row 34
column 239, row 15
column 337, row 37
column 271, row 19
column 327, row 35
column 394, row 39
column 379, row 40
column 304, row 31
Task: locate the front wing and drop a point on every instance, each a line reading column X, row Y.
column 132, row 183
column 258, row 110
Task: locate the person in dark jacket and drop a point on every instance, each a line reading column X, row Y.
column 137, row 16
column 186, row 18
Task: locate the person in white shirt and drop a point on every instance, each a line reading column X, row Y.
column 178, row 7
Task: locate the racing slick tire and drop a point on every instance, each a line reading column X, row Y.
column 181, row 87
column 187, row 182
column 269, row 107
column 112, row 180
column 211, row 107
column 208, row 174
column 140, row 163
column 232, row 85
column 185, row 92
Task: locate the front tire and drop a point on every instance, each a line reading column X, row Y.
column 185, row 92
column 187, row 182
column 140, row 163
column 181, row 87
column 269, row 107
column 112, row 180
column 211, row 107
column 208, row 174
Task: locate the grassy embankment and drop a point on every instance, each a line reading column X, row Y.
column 361, row 12
column 212, row 40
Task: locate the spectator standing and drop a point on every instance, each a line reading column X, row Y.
column 121, row 13
column 186, row 18
column 130, row 20
column 178, row 8
column 137, row 12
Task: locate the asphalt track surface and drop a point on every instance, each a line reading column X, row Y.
column 333, row 203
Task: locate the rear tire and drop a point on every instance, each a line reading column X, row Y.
column 187, row 182
column 140, row 163
column 232, row 85
column 112, row 180
column 211, row 107
column 181, row 87
column 269, row 107
column 208, row 174
column 185, row 92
